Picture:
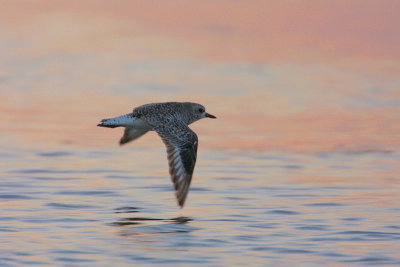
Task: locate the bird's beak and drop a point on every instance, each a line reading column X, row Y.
column 210, row 116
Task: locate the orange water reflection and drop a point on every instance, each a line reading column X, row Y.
column 314, row 77
column 117, row 35
column 309, row 77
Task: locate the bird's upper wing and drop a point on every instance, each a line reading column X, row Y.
column 181, row 143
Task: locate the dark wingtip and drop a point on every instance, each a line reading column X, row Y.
column 181, row 202
column 122, row 141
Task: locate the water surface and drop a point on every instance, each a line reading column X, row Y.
column 102, row 207
column 301, row 168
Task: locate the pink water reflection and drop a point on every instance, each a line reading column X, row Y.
column 314, row 77
column 309, row 76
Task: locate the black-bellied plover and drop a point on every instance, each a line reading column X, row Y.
column 170, row 120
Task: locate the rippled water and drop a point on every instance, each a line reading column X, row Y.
column 301, row 168
column 116, row 206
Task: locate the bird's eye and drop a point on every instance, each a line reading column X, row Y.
column 201, row 110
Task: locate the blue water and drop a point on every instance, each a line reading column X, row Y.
column 114, row 206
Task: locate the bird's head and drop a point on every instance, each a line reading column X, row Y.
column 197, row 112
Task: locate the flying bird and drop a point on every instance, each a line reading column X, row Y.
column 170, row 121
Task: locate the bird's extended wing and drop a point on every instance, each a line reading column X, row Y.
column 130, row 134
column 181, row 143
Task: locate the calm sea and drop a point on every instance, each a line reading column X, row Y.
column 116, row 206
column 301, row 168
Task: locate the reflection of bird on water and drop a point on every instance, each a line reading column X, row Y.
column 170, row 120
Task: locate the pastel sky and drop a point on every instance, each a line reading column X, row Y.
column 304, row 76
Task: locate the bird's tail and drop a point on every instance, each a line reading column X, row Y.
column 124, row 121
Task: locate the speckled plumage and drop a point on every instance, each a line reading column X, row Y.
column 170, row 120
